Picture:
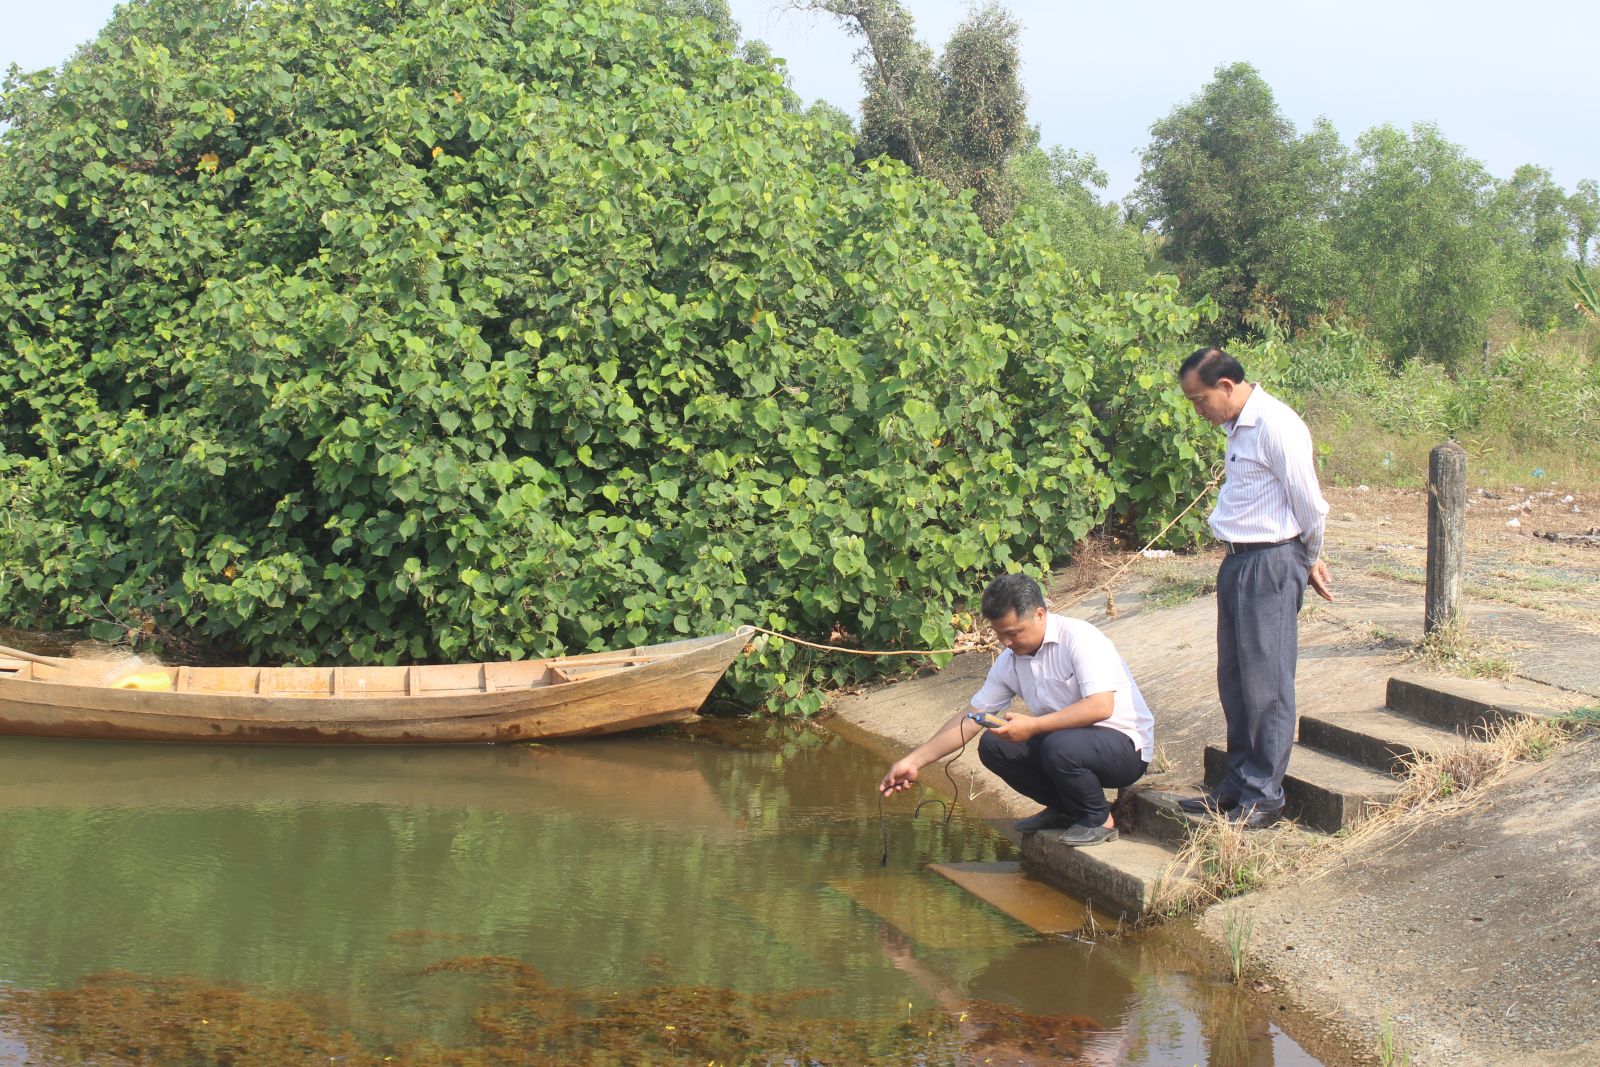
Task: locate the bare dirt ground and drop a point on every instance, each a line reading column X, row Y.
column 1475, row 939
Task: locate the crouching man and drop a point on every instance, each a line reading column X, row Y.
column 1088, row 729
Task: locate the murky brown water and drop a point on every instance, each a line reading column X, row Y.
column 709, row 896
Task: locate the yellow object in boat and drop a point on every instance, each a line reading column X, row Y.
column 151, row 681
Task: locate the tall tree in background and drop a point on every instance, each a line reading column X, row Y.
column 1242, row 203
column 717, row 12
column 725, row 28
column 958, row 118
column 983, row 118
column 1418, row 234
column 901, row 106
column 1536, row 231
column 1060, row 188
column 1302, row 267
column 1584, row 204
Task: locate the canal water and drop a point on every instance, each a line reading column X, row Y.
column 710, row 895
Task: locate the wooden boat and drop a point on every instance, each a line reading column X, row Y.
column 472, row 703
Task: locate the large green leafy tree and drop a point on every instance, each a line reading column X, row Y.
column 1417, row 231
column 1243, row 204
column 380, row 330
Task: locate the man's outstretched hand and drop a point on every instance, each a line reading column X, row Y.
column 1320, row 581
column 902, row 775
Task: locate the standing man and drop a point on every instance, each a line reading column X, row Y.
column 1269, row 518
column 1089, row 729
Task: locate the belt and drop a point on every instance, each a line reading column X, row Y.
column 1233, row 548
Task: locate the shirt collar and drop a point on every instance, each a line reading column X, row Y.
column 1250, row 414
column 1055, row 631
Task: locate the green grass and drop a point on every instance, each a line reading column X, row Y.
column 1174, row 591
column 1175, row 581
column 1512, row 596
column 1398, row 573
column 1515, row 589
column 1390, row 1052
column 1541, row 583
column 1384, row 635
column 1528, row 415
column 1516, row 595
column 1238, row 936
column 1352, row 451
column 1585, row 716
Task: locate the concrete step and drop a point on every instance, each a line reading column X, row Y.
column 1376, row 738
column 1126, row 879
column 1321, row 792
column 1155, row 814
column 1464, row 705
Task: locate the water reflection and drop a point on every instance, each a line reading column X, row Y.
column 416, row 896
column 640, row 781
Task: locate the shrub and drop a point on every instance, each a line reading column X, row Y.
column 367, row 331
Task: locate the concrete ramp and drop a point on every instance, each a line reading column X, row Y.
column 1007, row 888
column 932, row 920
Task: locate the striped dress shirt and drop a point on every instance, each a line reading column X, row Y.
column 1270, row 492
column 1075, row 661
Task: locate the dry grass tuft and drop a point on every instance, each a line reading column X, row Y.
column 1162, row 763
column 1446, row 782
column 1453, row 650
column 1432, row 779
column 1220, row 860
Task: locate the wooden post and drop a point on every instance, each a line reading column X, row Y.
column 1447, row 534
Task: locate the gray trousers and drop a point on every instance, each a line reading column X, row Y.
column 1258, row 636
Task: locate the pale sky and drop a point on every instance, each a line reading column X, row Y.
column 1511, row 84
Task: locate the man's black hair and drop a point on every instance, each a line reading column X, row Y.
column 1011, row 594
column 1212, row 365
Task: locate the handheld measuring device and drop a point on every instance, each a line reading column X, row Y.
column 986, row 719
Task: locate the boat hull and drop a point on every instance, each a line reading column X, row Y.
column 575, row 697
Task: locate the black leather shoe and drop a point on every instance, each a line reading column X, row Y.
column 1048, row 819
column 1207, row 803
column 1083, row 836
column 1251, row 819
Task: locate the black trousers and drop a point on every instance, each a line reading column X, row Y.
column 1068, row 770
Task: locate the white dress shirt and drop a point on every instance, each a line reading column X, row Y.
column 1270, row 493
column 1075, row 661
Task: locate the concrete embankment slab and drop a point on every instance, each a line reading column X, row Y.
column 935, row 921
column 1475, row 932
